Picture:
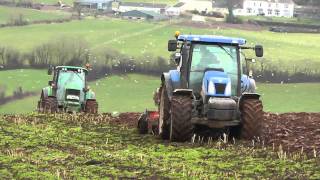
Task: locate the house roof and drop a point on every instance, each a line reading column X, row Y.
column 276, row 1
column 147, row 13
column 138, row 4
column 180, row 4
column 212, row 39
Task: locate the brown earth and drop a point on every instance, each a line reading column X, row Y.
column 293, row 131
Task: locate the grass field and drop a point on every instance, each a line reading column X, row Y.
column 134, row 93
column 7, row 13
column 65, row 147
column 29, row 80
column 282, row 19
column 300, row 50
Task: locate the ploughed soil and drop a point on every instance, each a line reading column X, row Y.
column 295, row 132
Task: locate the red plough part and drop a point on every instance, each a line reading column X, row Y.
column 148, row 122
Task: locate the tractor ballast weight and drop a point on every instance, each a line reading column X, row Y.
column 67, row 92
column 208, row 88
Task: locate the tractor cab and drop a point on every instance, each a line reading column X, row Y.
column 69, row 91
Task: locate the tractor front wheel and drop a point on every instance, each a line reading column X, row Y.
column 91, row 107
column 252, row 117
column 48, row 105
column 181, row 113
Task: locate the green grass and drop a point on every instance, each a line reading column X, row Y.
column 70, row 2
column 134, row 93
column 302, row 97
column 7, row 13
column 74, row 147
column 52, row 2
column 140, row 39
column 28, row 79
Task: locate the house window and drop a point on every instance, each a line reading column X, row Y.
column 269, row 11
column 254, row 4
column 276, row 4
column 286, row 5
column 269, row 4
column 260, row 5
column 249, row 10
column 260, row 10
column 277, row 12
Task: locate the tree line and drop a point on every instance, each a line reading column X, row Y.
column 76, row 52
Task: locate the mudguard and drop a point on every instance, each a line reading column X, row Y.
column 248, row 85
column 90, row 95
column 47, row 92
column 172, row 81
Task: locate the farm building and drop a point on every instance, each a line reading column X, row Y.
column 198, row 5
column 130, row 6
column 94, row 4
column 174, row 10
column 280, row 8
column 143, row 15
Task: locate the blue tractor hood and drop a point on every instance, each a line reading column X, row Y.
column 216, row 84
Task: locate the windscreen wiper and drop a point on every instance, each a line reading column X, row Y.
column 223, row 48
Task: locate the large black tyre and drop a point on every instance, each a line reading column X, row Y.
column 48, row 105
column 164, row 114
column 143, row 124
column 251, row 118
column 91, row 106
column 181, row 113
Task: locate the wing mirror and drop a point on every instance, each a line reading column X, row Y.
column 172, row 45
column 259, row 50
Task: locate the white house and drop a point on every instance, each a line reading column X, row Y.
column 174, row 10
column 130, row 6
column 199, row 5
column 280, row 8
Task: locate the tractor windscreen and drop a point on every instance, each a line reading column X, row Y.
column 216, row 57
column 71, row 78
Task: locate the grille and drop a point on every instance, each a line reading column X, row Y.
column 220, row 88
column 72, row 95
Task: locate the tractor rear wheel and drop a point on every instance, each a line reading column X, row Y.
column 48, row 105
column 91, row 106
column 164, row 117
column 252, row 117
column 181, row 113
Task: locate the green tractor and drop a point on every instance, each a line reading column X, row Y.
column 67, row 92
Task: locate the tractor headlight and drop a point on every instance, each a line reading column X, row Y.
column 227, row 91
column 73, row 97
column 211, row 88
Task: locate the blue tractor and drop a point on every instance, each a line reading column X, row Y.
column 208, row 89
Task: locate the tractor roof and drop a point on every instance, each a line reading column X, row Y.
column 212, row 39
column 72, row 67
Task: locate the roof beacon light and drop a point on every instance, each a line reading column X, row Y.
column 177, row 34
